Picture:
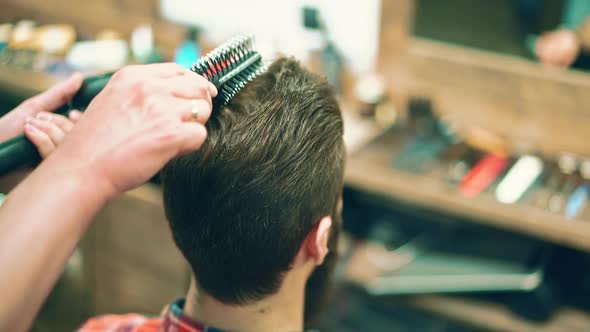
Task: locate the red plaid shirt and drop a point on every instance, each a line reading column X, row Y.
column 173, row 320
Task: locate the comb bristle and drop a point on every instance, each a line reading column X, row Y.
column 229, row 90
column 230, row 67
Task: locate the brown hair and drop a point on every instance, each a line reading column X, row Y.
column 272, row 166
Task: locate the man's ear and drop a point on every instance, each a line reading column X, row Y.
column 316, row 242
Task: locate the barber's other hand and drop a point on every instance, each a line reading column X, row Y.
column 47, row 130
column 13, row 122
column 141, row 120
column 558, row 48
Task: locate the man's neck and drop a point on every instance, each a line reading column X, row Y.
column 281, row 312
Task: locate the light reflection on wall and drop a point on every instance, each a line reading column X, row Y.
column 353, row 25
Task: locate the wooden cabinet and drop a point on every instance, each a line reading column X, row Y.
column 131, row 262
column 91, row 17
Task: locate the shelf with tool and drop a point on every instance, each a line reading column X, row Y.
column 501, row 108
column 364, row 263
column 371, row 170
column 490, row 279
column 442, row 165
column 96, row 16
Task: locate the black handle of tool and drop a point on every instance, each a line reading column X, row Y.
column 19, row 151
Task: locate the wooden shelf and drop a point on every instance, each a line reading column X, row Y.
column 497, row 317
column 478, row 313
column 533, row 106
column 95, row 16
column 369, row 170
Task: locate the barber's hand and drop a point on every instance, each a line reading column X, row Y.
column 13, row 122
column 47, row 130
column 558, row 48
column 141, row 120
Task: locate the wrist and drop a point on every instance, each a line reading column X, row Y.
column 88, row 183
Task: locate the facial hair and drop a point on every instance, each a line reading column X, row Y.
column 319, row 284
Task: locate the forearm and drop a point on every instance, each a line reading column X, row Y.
column 144, row 117
column 41, row 222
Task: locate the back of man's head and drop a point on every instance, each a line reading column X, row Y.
column 271, row 168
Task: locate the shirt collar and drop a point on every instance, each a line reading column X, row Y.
column 176, row 321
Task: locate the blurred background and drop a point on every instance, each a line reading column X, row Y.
column 467, row 182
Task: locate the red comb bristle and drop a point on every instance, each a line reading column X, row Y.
column 224, row 66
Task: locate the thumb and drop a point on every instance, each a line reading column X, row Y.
column 55, row 97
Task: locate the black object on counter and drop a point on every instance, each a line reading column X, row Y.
column 19, row 151
column 430, row 137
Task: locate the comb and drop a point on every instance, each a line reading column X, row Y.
column 230, row 67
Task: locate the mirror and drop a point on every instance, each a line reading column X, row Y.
column 554, row 32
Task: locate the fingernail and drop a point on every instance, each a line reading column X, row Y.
column 44, row 116
column 76, row 75
column 74, row 115
column 212, row 89
column 30, row 127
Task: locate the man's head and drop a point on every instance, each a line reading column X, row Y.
column 251, row 199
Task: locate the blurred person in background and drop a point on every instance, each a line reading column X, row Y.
column 568, row 45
